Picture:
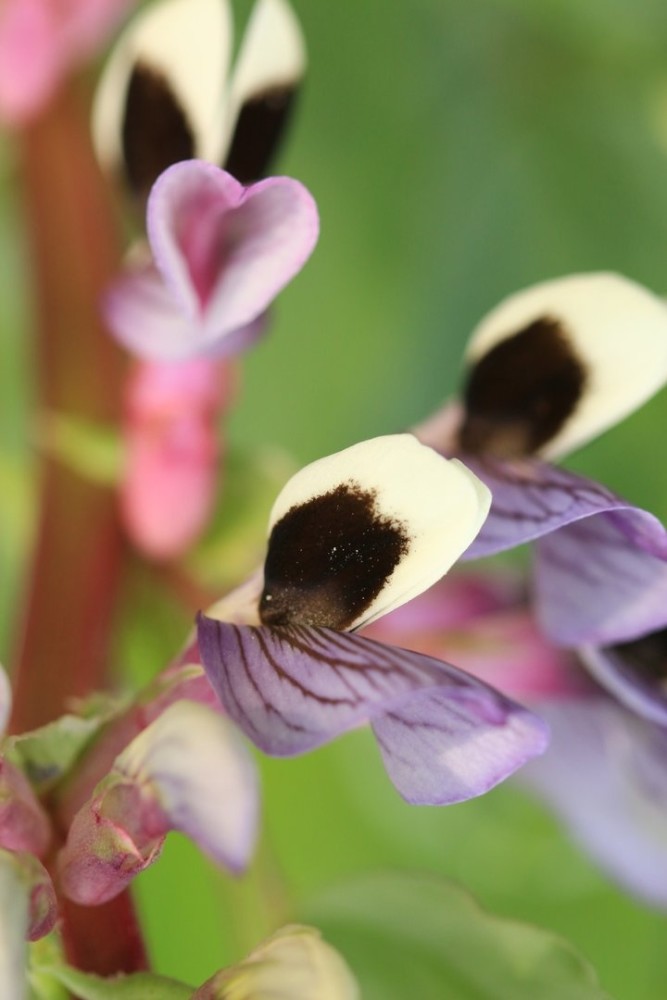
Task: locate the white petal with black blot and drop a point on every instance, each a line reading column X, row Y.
column 268, row 70
column 361, row 532
column 613, row 328
column 187, row 45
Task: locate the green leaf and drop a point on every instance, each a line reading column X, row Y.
column 138, row 986
column 416, row 935
column 47, row 753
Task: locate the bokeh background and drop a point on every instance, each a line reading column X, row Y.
column 458, row 151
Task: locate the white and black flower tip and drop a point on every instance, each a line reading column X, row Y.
column 553, row 366
column 162, row 96
column 166, row 94
column 363, row 531
column 268, row 71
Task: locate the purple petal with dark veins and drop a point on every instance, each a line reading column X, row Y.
column 602, row 580
column 532, row 499
column 604, row 775
column 447, row 744
column 444, row 736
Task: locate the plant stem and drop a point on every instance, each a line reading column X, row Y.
column 63, row 647
column 74, row 249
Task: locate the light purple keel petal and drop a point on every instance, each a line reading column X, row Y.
column 532, row 499
column 604, row 775
column 444, row 736
column 602, row 580
column 223, row 252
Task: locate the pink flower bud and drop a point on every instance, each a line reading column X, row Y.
column 172, row 452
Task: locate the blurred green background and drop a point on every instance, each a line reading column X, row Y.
column 458, row 151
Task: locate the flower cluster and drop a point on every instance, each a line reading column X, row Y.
column 557, row 673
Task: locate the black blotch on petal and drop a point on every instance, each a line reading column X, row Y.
column 329, row 558
column 519, row 395
column 259, row 130
column 156, row 132
column 645, row 659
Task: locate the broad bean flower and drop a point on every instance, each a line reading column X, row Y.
column 351, row 537
column 550, row 368
column 168, row 94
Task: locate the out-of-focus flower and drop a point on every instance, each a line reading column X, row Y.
column 169, row 92
column 41, row 41
column 551, row 367
column 172, row 451
column 293, row 964
column 603, row 771
column 187, row 771
column 222, row 252
column 351, row 537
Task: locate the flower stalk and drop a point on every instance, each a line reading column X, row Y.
column 62, row 648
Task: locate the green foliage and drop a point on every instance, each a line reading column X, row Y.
column 406, row 935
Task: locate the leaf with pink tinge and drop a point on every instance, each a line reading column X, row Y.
column 444, row 735
column 222, row 253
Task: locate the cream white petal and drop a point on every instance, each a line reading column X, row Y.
column 438, row 506
column 293, row 964
column 272, row 54
column 616, row 329
column 189, row 43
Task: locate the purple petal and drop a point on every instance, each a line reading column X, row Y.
column 634, row 673
column 225, row 251
column 532, row 499
column 601, row 563
column 603, row 580
column 604, row 775
column 142, row 313
column 448, row 744
column 444, row 735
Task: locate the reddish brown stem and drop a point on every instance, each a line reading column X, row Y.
column 62, row 651
column 116, row 944
column 74, row 250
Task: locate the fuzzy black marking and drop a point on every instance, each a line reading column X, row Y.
column 156, row 132
column 260, row 127
column 329, row 558
column 645, row 659
column 519, row 395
